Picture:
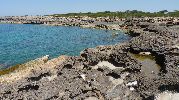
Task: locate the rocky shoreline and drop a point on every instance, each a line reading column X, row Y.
column 145, row 68
column 109, row 23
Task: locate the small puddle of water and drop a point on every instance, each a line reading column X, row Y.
column 149, row 65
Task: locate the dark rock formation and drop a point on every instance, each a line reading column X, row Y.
column 105, row 72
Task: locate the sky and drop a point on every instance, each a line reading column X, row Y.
column 45, row 7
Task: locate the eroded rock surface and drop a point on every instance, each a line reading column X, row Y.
column 104, row 72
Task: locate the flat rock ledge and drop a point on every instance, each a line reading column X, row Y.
column 103, row 73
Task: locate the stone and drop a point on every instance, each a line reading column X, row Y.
column 167, row 96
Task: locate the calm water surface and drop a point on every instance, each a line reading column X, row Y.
column 21, row 43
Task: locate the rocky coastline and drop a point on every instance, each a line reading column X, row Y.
column 144, row 68
column 108, row 23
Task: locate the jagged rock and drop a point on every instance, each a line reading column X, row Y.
column 105, row 72
column 167, row 96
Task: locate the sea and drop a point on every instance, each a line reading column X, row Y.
column 20, row 43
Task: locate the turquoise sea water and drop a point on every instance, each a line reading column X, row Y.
column 21, row 43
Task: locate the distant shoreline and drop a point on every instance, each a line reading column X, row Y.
column 121, row 71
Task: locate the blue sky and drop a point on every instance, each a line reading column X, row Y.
column 42, row 7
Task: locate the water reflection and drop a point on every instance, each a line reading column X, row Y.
column 149, row 66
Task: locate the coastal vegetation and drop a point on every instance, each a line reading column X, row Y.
column 127, row 13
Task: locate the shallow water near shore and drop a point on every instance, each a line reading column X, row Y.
column 20, row 43
column 149, row 66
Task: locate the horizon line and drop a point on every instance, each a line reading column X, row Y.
column 90, row 12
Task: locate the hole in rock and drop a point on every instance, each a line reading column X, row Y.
column 68, row 66
column 131, row 70
column 160, row 60
column 152, row 63
column 29, row 87
column 66, row 90
column 7, row 92
column 100, row 69
column 114, row 75
column 149, row 65
column 85, row 91
column 60, row 73
column 174, row 88
column 115, row 63
column 93, row 63
column 84, row 55
column 39, row 77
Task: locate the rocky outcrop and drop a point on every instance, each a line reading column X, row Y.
column 108, row 23
column 114, row 72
